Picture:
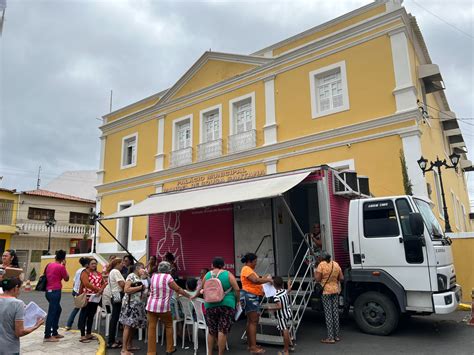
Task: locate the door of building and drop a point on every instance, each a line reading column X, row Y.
column 3, row 243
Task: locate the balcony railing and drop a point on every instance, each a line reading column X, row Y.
column 209, row 150
column 181, row 157
column 40, row 227
column 242, row 141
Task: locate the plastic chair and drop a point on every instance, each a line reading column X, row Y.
column 101, row 314
column 158, row 324
column 187, row 308
column 200, row 323
column 176, row 319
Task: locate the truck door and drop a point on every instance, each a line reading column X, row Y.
column 385, row 243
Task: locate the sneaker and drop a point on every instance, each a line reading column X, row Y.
column 58, row 336
column 50, row 340
column 68, row 328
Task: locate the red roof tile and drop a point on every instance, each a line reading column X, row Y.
column 46, row 193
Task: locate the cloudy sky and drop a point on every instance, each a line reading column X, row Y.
column 61, row 58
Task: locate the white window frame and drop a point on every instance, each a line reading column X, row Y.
column 202, row 113
column 313, row 77
column 464, row 217
column 176, row 122
column 455, row 209
column 122, row 155
column 341, row 165
column 130, row 222
column 235, row 101
column 439, row 198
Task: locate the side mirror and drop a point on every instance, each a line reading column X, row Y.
column 416, row 224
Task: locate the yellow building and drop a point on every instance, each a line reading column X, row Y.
column 358, row 92
column 8, row 212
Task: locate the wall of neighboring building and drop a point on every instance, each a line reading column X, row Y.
column 8, row 211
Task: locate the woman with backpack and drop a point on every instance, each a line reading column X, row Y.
column 158, row 306
column 250, row 297
column 220, row 303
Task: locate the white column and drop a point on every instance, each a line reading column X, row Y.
column 98, row 206
column 404, row 92
column 392, row 5
column 270, row 128
column 271, row 166
column 412, row 150
column 160, row 156
column 101, row 171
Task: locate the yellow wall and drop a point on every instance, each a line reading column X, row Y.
column 331, row 29
column 9, row 228
column 212, row 72
column 463, row 252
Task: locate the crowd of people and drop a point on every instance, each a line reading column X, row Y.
column 138, row 296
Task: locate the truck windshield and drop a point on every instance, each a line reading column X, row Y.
column 430, row 220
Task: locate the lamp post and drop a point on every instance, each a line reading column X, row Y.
column 50, row 223
column 423, row 163
column 94, row 217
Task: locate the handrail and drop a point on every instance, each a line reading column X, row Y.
column 261, row 242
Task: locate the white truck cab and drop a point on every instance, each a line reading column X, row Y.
column 401, row 263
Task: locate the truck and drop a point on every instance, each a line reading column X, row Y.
column 396, row 259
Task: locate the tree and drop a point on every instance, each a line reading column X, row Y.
column 407, row 185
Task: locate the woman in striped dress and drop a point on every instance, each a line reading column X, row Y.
column 158, row 306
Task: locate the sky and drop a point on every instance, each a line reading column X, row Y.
column 59, row 60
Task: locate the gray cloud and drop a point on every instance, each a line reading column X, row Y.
column 61, row 58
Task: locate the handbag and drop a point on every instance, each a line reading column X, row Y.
column 116, row 297
column 318, row 288
column 80, row 301
column 42, row 281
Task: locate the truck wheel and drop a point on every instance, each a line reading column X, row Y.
column 375, row 313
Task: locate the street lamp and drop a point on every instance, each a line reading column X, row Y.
column 50, row 223
column 423, row 163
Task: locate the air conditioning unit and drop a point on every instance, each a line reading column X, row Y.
column 363, row 182
column 346, row 183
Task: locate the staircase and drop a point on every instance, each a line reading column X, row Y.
column 302, row 286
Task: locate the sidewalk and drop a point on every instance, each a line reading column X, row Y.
column 33, row 344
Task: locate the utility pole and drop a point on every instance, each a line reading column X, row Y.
column 38, row 180
column 111, row 95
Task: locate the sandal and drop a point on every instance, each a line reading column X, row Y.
column 328, row 341
column 133, row 348
column 114, row 346
column 91, row 337
column 258, row 351
column 85, row 340
column 337, row 339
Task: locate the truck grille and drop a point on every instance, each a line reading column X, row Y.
column 452, row 281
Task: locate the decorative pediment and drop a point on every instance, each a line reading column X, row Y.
column 212, row 68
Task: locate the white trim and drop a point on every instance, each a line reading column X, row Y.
column 360, row 29
column 135, row 135
column 315, row 110
column 158, row 188
column 98, row 206
column 201, row 121
column 160, row 144
column 439, row 197
column 291, row 143
column 270, row 128
column 464, row 218
column 175, row 123
column 130, row 225
column 412, row 151
column 455, row 209
column 404, row 91
column 271, row 166
column 348, row 164
column 231, row 110
column 101, row 171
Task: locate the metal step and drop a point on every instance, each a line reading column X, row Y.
column 268, row 306
column 269, row 339
column 270, row 321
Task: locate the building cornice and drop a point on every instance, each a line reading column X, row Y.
column 151, row 113
column 301, row 141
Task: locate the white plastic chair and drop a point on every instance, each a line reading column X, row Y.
column 176, row 319
column 187, row 308
column 101, row 314
column 200, row 323
column 158, row 325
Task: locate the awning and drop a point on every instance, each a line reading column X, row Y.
column 245, row 190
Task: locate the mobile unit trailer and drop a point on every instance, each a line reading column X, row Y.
column 392, row 250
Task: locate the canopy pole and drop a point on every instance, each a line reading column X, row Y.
column 293, row 218
column 107, row 230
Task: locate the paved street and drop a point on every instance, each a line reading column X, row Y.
column 419, row 335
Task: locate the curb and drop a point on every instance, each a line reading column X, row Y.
column 102, row 346
column 464, row 307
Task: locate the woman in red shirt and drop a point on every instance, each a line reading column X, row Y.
column 92, row 284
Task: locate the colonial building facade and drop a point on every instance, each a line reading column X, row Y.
column 359, row 92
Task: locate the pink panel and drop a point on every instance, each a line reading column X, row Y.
column 195, row 237
column 339, row 223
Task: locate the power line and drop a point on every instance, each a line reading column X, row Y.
column 443, row 20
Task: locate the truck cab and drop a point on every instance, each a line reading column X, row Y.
column 401, row 263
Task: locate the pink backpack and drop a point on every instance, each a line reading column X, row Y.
column 213, row 290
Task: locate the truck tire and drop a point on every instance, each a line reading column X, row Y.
column 375, row 313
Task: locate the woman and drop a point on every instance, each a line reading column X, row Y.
column 12, row 313
column 55, row 273
column 151, row 266
column 133, row 314
column 9, row 259
column 116, row 285
column 158, row 306
column 92, row 283
column 220, row 315
column 75, row 290
column 169, row 257
column 329, row 274
column 250, row 297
